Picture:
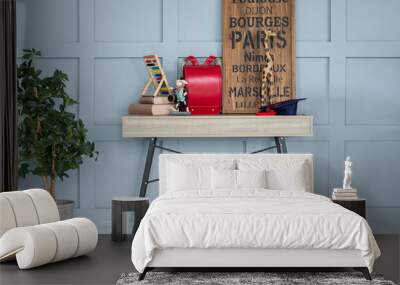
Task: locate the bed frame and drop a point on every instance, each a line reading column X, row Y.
column 234, row 259
column 237, row 259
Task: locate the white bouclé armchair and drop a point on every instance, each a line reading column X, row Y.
column 31, row 230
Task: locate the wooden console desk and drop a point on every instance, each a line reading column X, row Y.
column 216, row 126
column 222, row 126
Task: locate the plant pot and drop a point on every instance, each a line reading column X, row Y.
column 66, row 209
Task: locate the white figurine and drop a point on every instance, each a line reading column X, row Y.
column 347, row 173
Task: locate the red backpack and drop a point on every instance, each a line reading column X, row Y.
column 204, row 88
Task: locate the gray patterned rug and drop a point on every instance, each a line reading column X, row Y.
column 244, row 278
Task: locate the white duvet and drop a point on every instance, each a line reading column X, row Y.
column 250, row 219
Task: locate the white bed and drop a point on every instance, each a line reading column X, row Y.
column 203, row 220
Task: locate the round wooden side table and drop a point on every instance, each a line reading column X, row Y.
column 139, row 205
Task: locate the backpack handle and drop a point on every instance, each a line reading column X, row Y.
column 210, row 60
column 192, row 59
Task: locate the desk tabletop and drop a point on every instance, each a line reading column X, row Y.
column 221, row 126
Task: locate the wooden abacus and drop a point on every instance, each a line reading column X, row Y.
column 157, row 77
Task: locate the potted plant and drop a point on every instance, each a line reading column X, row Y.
column 51, row 139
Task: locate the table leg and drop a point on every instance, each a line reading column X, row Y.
column 116, row 230
column 280, row 143
column 147, row 167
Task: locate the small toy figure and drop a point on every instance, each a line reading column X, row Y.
column 267, row 73
column 348, row 172
column 181, row 96
column 267, row 78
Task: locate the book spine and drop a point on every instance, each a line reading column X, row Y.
column 146, row 100
column 339, row 190
column 156, row 100
column 140, row 109
column 345, row 193
column 339, row 197
column 149, row 109
column 347, row 198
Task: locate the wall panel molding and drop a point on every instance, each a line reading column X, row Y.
column 374, row 170
column 372, row 93
column 348, row 65
column 48, row 21
column 132, row 21
column 316, row 20
column 124, row 158
column 191, row 13
column 362, row 24
column 317, row 94
column 117, row 83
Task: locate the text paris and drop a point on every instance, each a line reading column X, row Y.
column 248, row 40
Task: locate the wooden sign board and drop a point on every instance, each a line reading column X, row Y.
column 245, row 23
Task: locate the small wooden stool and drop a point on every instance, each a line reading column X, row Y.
column 126, row 204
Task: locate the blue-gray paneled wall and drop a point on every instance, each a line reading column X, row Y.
column 348, row 66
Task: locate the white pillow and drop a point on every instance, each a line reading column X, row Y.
column 223, row 179
column 182, row 177
column 226, row 179
column 251, row 178
column 293, row 179
column 281, row 174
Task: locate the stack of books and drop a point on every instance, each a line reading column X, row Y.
column 344, row 194
column 151, row 105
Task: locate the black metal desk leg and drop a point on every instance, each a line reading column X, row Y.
column 147, row 167
column 280, row 143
